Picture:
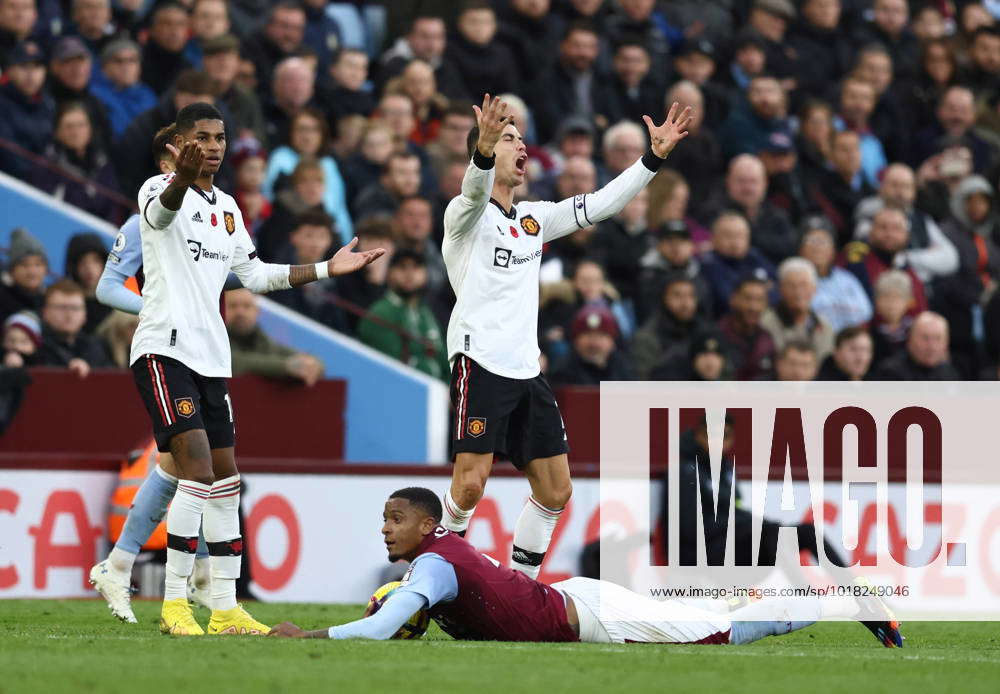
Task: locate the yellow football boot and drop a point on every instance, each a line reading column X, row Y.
column 236, row 621
column 176, row 618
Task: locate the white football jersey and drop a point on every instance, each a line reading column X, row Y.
column 493, row 258
column 184, row 268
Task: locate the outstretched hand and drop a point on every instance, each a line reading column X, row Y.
column 492, row 119
column 187, row 161
column 287, row 630
column 346, row 261
column 664, row 138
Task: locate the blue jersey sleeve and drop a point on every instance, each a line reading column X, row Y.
column 431, row 576
column 126, row 254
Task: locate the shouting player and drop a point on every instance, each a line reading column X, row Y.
column 472, row 597
column 192, row 235
column 493, row 250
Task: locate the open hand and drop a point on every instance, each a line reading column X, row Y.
column 187, row 161
column 287, row 630
column 346, row 261
column 664, row 138
column 492, row 119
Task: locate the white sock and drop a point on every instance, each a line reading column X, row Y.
column 202, row 575
column 532, row 535
column 456, row 518
column 838, row 606
column 183, row 521
column 121, row 562
column 225, row 546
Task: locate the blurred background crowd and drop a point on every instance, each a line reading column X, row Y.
column 832, row 214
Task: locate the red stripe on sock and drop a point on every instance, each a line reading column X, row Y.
column 543, row 509
column 223, row 496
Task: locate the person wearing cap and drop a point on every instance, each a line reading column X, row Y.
column 28, row 110
column 840, row 298
column 787, row 188
column 118, row 86
column 634, row 88
column 22, row 336
column 666, row 336
column 696, row 63
column 770, row 20
column 71, row 73
column 221, row 61
column 27, row 267
column 404, row 305
column 18, row 19
column 672, row 254
column 595, row 356
column 824, row 50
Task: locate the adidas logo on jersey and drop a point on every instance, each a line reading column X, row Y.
column 197, row 217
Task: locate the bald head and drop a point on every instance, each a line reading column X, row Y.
column 687, row 94
column 746, row 181
column 578, row 176
column 293, row 83
column 928, row 340
column 899, row 187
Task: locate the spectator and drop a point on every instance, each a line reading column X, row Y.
column 561, row 301
column 64, row 314
column 889, row 122
column 85, row 256
column 813, row 142
column 74, row 150
column 929, row 24
column 939, row 176
column 366, row 165
column 931, row 254
column 22, row 336
column 573, row 86
column 118, row 86
column 309, row 138
column 623, row 144
column 857, row 103
column 669, row 199
column 163, row 55
column 291, row 92
column 841, row 189
column 367, row 286
column 27, row 266
column 413, row 226
column 456, row 122
column 254, row 352
column 116, row 332
column 707, row 360
column 937, row 72
column 249, row 162
column 396, row 111
column 70, row 72
column 695, row 63
column 753, row 347
column 425, row 40
column 956, row 118
column 418, row 84
column 132, row 156
column 822, row 49
column 700, row 160
column 322, row 35
column 595, row 356
column 771, row 230
column 793, row 318
column 748, row 62
column 926, row 356
column 731, row 258
column 221, row 61
column 983, row 75
column 28, row 111
column 529, row 31
column 748, row 126
column 786, row 187
column 893, row 315
column 672, row 255
column 92, row 22
column 209, row 20
column 404, row 306
column 634, row 90
column 887, row 244
column 17, row 23
column 305, row 193
column 485, row 65
column 797, row 361
column 769, row 20
column 279, row 39
column 840, row 299
column 667, row 335
column 309, row 243
column 344, row 93
column 851, row 358
column 643, row 20
column 400, row 180
column 620, row 244
column 890, row 28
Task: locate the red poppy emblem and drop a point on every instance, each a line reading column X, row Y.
column 215, row 220
column 513, row 232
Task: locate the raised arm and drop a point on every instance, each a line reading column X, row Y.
column 464, row 211
column 566, row 216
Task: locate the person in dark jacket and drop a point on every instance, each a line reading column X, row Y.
column 634, row 89
column 708, row 360
column 822, row 49
column 890, row 28
column 27, row 266
column 64, row 314
column 28, row 110
column 926, row 356
column 732, row 258
column 71, row 69
column 666, row 337
column 280, row 38
column 529, row 31
column 673, row 254
column 851, row 358
column 486, row 64
column 85, row 257
column 341, row 93
column 752, row 347
column 594, row 357
column 221, row 61
column 163, row 55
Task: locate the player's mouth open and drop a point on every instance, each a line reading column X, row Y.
column 520, row 163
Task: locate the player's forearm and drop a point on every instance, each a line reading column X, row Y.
column 382, row 625
column 111, row 291
column 260, row 277
column 302, row 274
column 173, row 196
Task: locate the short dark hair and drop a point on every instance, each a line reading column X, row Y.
column 848, row 334
column 797, row 345
column 324, row 127
column 191, row 114
column 163, row 136
column 195, row 82
column 285, row 5
column 580, row 25
column 375, row 226
column 991, row 30
column 750, row 279
column 470, row 5
column 314, row 217
column 405, row 154
column 423, row 498
column 158, row 8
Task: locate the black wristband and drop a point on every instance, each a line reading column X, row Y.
column 651, row 161
column 481, row 161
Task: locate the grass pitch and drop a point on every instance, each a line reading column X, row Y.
column 52, row 646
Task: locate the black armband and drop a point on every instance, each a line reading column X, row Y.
column 651, row 161
column 481, row 161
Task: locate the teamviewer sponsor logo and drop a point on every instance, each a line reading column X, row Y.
column 501, row 257
column 198, row 252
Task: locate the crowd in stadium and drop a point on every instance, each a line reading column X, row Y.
column 832, row 213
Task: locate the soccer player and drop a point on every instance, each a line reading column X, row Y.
column 471, row 596
column 192, row 236
column 493, row 250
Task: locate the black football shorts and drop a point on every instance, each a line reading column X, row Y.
column 179, row 399
column 516, row 418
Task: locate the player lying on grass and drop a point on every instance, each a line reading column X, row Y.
column 472, row 597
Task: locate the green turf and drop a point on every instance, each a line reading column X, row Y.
column 50, row 646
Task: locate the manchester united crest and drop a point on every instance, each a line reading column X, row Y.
column 476, row 426
column 185, row 407
column 230, row 221
column 530, row 225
